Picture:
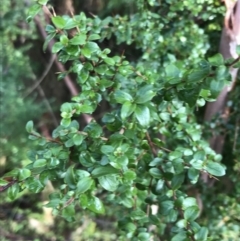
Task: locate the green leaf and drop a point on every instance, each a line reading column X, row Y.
column 125, row 70
column 137, row 214
column 191, row 213
column 189, row 96
column 159, row 186
column 78, row 139
column 79, row 39
column 164, row 116
column 193, row 175
column 155, row 162
column 33, row 11
column 13, row 191
column 94, row 37
column 93, row 129
column 86, row 159
column 145, row 94
column 173, row 214
column 105, row 170
column 3, row 182
column 109, row 61
column 48, row 39
column 194, row 226
column 13, row 173
column 70, row 23
column 83, row 200
column 101, row 69
column 178, row 165
column 73, row 50
column 155, row 172
column 23, row 174
column 202, row 234
column 189, row 202
column 215, row 168
column 195, row 134
column 42, row 2
column 50, row 29
column 182, row 223
column 40, row 163
column 177, row 181
column 122, row 97
column 172, row 74
column 216, row 86
column 199, row 73
column 216, row 60
column 64, row 40
column 166, row 207
column 69, row 143
column 142, row 114
column 84, row 184
column 59, row 22
column 69, row 178
column 82, row 173
column 77, row 67
column 127, row 109
column 199, row 155
column 86, row 52
column 129, row 175
column 180, row 236
column 89, row 49
column 83, row 76
column 29, row 127
column 34, row 185
column 66, row 122
column 130, row 227
column 57, row 47
column 174, row 155
column 187, row 152
column 96, row 205
column 69, row 212
column 87, row 109
column 53, row 162
column 144, row 236
column 109, row 182
column 107, row 149
column 204, row 93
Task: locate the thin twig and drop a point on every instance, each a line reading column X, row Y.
column 38, row 82
column 151, row 144
column 234, row 62
column 236, row 133
column 47, row 138
column 67, row 80
column 41, row 92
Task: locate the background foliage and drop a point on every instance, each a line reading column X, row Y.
column 144, row 71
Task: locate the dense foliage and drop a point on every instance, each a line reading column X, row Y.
column 138, row 163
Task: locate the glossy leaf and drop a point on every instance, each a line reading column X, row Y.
column 40, row 163
column 84, row 184
column 29, row 126
column 105, row 170
column 122, row 97
column 191, row 213
column 59, row 22
column 70, row 177
column 215, row 168
column 96, row 205
column 142, row 114
column 109, row 182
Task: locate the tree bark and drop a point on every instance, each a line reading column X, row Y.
column 230, row 38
